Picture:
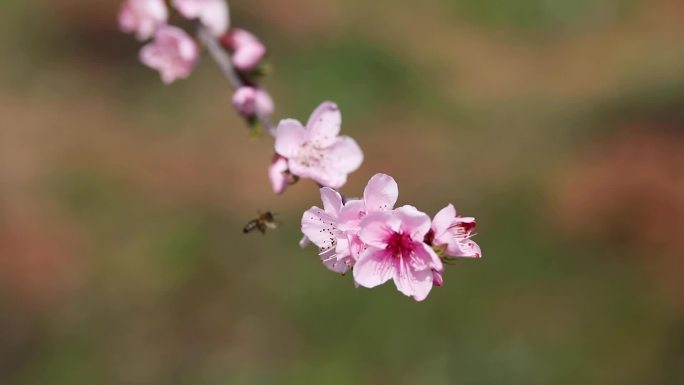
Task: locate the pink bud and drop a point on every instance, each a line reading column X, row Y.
column 142, row 17
column 172, row 52
column 250, row 101
column 247, row 50
column 279, row 174
column 213, row 14
column 437, row 279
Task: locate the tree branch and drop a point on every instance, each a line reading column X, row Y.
column 223, row 61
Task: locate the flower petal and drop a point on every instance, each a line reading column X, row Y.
column 332, row 201
column 304, row 242
column 377, row 227
column 414, row 222
column 324, row 124
column 381, row 193
column 290, row 135
column 320, row 228
column 350, row 215
column 172, row 52
column 248, row 51
column 427, row 257
column 321, row 174
column 264, row 103
column 212, row 13
column 442, row 220
column 330, row 260
column 143, row 17
column 437, row 279
column 215, row 16
column 345, row 154
column 277, row 173
column 412, row 283
column 466, row 249
column 374, row 268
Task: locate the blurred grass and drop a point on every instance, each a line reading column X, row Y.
column 540, row 17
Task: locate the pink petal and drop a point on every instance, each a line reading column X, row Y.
column 318, row 167
column 351, row 214
column 465, row 249
column 346, row 154
column 304, row 242
column 143, row 17
column 330, row 260
column 344, row 251
column 215, row 16
column 374, row 268
column 250, row 101
column 320, row 228
column 323, row 174
column 172, row 52
column 248, row 51
column 290, row 135
column 332, row 201
column 414, row 222
column 264, row 103
column 356, row 246
column 277, row 173
column 244, row 101
column 324, row 124
column 381, row 193
column 416, row 284
column 212, row 13
column 442, row 221
column 437, row 279
column 427, row 257
column 376, row 228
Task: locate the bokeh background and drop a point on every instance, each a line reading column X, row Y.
column 558, row 123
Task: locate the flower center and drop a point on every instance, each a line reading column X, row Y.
column 310, row 154
column 462, row 229
column 399, row 244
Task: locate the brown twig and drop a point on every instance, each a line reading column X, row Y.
column 223, row 61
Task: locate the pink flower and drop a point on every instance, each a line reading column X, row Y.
column 322, row 228
column 381, row 243
column 250, row 101
column 454, row 232
column 213, row 14
column 317, row 152
column 395, row 250
column 341, row 221
column 142, row 17
column 247, row 50
column 173, row 53
column 279, row 175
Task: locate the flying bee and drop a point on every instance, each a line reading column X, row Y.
column 262, row 222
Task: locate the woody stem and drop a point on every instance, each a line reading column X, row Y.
column 222, row 60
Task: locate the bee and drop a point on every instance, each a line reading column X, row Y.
column 262, row 222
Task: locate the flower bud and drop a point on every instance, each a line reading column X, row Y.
column 142, row 17
column 279, row 174
column 213, row 14
column 172, row 52
column 247, row 51
column 250, row 102
column 437, row 279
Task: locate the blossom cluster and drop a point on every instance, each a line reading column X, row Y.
column 369, row 236
column 175, row 54
column 379, row 242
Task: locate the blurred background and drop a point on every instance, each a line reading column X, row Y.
column 559, row 124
